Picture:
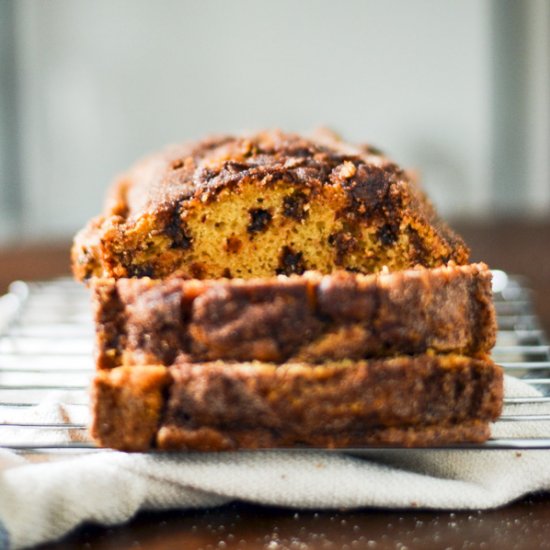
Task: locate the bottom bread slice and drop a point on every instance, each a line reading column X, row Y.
column 409, row 401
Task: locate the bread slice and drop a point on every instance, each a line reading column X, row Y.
column 261, row 205
column 426, row 400
column 311, row 318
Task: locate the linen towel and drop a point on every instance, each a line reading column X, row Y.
column 56, row 493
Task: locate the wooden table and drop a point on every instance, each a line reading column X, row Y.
column 517, row 246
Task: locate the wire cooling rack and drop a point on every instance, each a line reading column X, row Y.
column 46, row 341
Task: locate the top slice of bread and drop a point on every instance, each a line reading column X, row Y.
column 260, row 205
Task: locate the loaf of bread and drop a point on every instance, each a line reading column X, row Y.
column 265, row 204
column 275, row 291
column 310, row 318
column 426, row 400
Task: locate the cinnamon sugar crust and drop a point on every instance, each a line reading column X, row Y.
column 311, row 318
column 263, row 204
column 220, row 406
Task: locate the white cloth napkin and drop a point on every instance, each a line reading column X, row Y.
column 58, row 493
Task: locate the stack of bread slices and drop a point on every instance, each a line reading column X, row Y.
column 271, row 291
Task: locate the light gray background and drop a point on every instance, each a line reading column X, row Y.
column 456, row 88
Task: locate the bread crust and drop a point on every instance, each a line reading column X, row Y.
column 127, row 407
column 311, row 318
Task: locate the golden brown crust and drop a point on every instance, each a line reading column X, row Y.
column 127, row 407
column 259, row 205
column 205, row 439
column 312, row 318
column 220, row 406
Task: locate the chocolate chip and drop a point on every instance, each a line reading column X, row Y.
column 232, row 244
column 290, row 262
column 370, row 191
column 388, row 234
column 140, row 271
column 343, row 243
column 197, row 270
column 419, row 254
column 369, row 186
column 259, row 220
column 177, row 230
column 294, row 206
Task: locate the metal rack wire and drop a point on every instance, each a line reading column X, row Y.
column 46, row 336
